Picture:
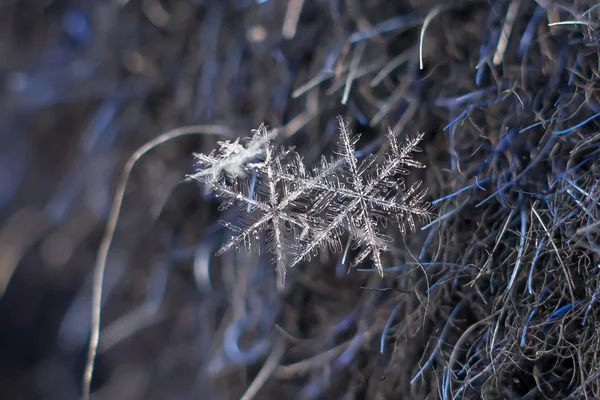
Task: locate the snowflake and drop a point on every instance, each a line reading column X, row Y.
column 303, row 211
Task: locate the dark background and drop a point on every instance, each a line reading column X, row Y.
column 83, row 84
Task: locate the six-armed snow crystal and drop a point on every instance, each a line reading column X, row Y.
column 304, row 210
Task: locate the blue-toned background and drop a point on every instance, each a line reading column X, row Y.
column 495, row 296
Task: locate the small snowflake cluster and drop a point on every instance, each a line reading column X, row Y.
column 304, row 210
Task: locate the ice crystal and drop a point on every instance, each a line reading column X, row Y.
column 302, row 210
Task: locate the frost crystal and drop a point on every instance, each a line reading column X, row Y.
column 304, row 210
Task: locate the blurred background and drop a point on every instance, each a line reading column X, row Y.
column 494, row 298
